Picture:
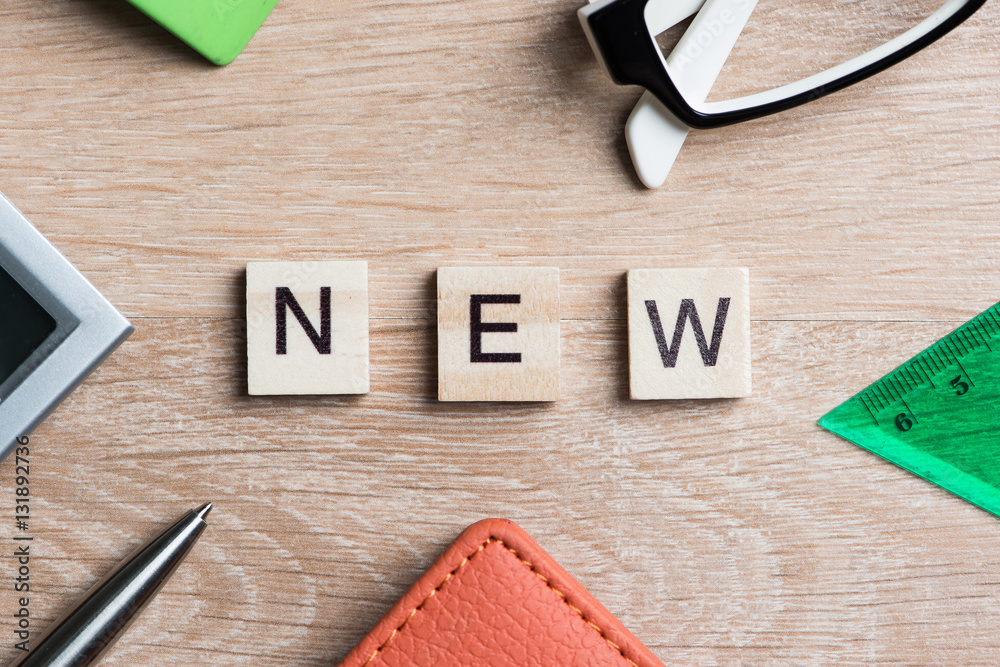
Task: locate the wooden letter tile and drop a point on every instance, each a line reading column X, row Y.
column 307, row 328
column 498, row 334
column 689, row 333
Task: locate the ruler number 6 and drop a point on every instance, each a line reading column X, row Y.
column 903, row 422
column 961, row 388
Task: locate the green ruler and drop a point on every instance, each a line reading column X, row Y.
column 938, row 415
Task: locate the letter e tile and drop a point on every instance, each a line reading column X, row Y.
column 689, row 333
column 307, row 328
column 498, row 334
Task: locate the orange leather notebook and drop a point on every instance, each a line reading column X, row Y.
column 496, row 598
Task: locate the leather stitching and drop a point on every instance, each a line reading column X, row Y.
column 491, row 540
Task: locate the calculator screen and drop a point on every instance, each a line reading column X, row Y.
column 24, row 325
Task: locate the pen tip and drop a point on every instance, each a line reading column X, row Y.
column 203, row 511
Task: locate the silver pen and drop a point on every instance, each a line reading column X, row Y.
column 82, row 635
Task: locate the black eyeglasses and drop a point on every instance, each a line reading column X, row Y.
column 786, row 53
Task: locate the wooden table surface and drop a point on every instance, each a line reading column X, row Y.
column 415, row 135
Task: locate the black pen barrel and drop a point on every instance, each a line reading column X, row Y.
column 84, row 634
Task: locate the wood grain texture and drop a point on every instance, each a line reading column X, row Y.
column 415, row 135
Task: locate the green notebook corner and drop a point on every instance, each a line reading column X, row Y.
column 218, row 29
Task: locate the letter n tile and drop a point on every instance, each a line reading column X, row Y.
column 307, row 328
column 498, row 334
column 689, row 333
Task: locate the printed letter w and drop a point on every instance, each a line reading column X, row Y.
column 709, row 353
column 283, row 298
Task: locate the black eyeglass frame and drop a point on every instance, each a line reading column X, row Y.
column 618, row 32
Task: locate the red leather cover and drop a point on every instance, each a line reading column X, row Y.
column 496, row 598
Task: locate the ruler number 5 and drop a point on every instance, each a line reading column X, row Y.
column 961, row 388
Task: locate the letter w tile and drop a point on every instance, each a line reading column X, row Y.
column 709, row 352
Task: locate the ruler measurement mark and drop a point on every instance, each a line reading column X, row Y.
column 984, row 331
column 990, row 324
column 915, row 420
column 992, row 317
column 894, row 392
column 884, row 396
column 966, row 374
column 872, row 399
column 959, row 343
column 977, row 330
column 902, row 383
column 927, row 361
column 977, row 337
column 950, row 355
column 874, row 419
column 969, row 341
column 927, row 368
column 885, row 392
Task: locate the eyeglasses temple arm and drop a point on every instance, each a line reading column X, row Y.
column 653, row 134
